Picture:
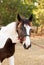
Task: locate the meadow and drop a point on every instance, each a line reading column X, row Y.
column 32, row 56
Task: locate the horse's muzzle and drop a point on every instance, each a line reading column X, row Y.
column 26, row 47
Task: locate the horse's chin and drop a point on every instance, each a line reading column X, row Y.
column 21, row 42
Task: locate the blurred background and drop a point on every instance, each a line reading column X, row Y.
column 10, row 8
column 8, row 13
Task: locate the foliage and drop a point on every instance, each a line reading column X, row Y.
column 10, row 8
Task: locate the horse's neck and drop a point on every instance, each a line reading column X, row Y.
column 11, row 30
column 8, row 31
column 11, row 27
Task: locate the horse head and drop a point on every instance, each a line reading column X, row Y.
column 23, row 29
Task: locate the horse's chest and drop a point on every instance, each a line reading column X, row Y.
column 7, row 51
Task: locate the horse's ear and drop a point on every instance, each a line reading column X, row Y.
column 18, row 17
column 31, row 18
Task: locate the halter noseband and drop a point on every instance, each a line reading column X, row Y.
column 26, row 35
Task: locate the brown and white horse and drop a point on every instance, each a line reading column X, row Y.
column 11, row 34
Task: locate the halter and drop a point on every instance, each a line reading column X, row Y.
column 26, row 35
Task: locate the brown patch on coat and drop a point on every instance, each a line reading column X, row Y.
column 8, row 50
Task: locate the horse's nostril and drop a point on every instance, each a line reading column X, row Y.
column 24, row 46
column 27, row 47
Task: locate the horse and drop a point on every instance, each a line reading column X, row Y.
column 13, row 33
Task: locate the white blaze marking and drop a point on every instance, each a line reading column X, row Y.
column 27, row 28
column 27, row 41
